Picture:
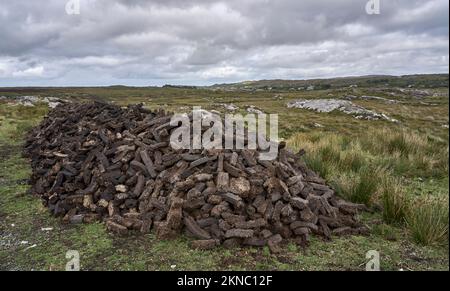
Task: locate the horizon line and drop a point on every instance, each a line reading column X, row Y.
column 227, row 83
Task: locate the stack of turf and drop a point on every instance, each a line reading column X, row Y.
column 97, row 161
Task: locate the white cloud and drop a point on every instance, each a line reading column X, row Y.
column 30, row 72
column 102, row 61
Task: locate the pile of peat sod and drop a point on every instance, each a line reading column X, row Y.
column 99, row 162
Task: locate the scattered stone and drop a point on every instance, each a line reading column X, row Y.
column 31, row 101
column 254, row 109
column 345, row 106
column 229, row 107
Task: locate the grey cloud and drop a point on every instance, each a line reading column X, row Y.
column 201, row 42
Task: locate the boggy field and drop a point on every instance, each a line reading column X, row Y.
column 394, row 159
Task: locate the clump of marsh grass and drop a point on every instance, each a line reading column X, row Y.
column 371, row 167
column 358, row 187
column 394, row 201
column 427, row 220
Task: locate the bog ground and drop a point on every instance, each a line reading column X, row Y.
column 399, row 169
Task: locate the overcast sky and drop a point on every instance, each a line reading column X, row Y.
column 206, row 42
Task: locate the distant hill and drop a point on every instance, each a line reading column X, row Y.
column 416, row 81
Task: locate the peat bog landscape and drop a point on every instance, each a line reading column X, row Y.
column 375, row 149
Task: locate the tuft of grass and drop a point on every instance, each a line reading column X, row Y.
column 394, row 201
column 366, row 186
column 358, row 187
column 329, row 153
column 352, row 159
column 316, row 164
column 427, row 220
